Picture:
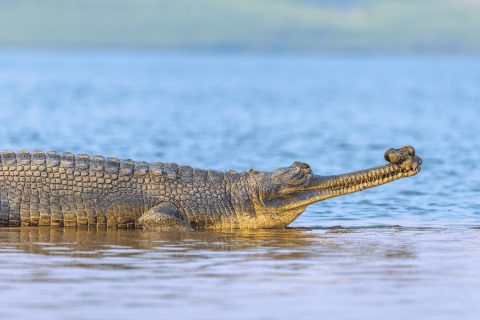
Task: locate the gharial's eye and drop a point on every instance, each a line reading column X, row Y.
column 304, row 166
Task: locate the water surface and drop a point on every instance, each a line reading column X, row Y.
column 408, row 249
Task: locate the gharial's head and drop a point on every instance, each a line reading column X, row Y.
column 292, row 189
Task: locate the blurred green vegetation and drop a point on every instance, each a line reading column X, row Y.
column 247, row 25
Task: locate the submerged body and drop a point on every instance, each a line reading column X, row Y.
column 64, row 189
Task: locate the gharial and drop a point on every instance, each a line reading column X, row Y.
column 65, row 189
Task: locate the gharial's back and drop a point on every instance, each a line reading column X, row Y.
column 49, row 188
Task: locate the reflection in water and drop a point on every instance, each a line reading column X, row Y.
column 74, row 242
column 274, row 244
column 272, row 273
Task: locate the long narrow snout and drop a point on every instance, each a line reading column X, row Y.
column 402, row 163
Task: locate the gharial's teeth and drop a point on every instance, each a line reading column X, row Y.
column 399, row 175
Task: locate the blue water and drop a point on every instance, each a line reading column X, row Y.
column 336, row 113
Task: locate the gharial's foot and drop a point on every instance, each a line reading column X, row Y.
column 405, row 159
column 162, row 217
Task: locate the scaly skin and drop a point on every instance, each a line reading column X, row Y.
column 64, row 189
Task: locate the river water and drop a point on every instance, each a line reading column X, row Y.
column 406, row 250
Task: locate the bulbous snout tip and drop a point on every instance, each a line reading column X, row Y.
column 399, row 156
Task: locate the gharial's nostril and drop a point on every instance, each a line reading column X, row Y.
column 398, row 156
column 395, row 156
column 408, row 149
column 387, row 153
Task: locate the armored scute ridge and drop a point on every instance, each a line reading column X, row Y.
column 65, row 189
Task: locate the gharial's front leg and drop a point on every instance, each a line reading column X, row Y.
column 163, row 217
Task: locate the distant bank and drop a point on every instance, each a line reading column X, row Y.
column 449, row 26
